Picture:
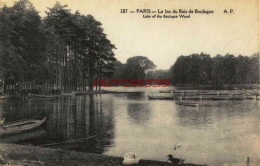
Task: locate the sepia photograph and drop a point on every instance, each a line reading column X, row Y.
column 129, row 82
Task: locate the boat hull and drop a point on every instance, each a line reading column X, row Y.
column 187, row 104
column 20, row 126
column 160, row 98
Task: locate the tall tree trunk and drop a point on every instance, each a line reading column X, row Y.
column 100, row 72
column 90, row 77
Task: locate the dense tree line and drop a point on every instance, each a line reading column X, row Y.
column 66, row 51
column 201, row 69
column 158, row 74
column 62, row 51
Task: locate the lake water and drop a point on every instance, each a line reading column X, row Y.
column 215, row 133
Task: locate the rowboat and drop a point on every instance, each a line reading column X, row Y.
column 250, row 97
column 21, row 126
column 207, row 93
column 187, row 104
column 238, row 98
column 223, row 93
column 191, row 98
column 206, row 97
column 5, row 97
column 162, row 91
column 253, row 94
column 184, row 92
column 221, row 97
column 67, row 93
column 40, row 96
column 228, row 98
column 237, row 94
column 161, row 97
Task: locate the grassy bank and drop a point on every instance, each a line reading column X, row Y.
column 31, row 155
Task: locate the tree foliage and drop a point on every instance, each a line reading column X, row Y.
column 201, row 69
column 22, row 42
column 135, row 68
column 63, row 50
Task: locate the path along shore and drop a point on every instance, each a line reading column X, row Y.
column 32, row 156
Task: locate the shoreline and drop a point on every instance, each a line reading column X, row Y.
column 33, row 155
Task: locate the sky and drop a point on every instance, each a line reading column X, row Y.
column 163, row 40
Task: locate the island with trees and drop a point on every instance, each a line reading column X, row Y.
column 66, row 51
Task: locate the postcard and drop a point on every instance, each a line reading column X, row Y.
column 129, row 82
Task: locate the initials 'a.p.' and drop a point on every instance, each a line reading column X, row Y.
column 228, row 11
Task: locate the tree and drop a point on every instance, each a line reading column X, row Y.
column 136, row 67
column 201, row 69
column 79, row 48
column 22, row 42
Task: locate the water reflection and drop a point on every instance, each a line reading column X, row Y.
column 139, row 113
column 113, row 124
column 68, row 120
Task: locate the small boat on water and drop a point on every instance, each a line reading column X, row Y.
column 223, row 93
column 221, row 97
column 162, row 91
column 237, row 94
column 67, row 93
column 191, row 98
column 207, row 93
column 161, row 97
column 206, row 97
column 40, row 96
column 5, row 97
column 250, row 97
column 238, row 98
column 21, row 126
column 187, row 104
column 253, row 94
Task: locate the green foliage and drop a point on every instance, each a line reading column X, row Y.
column 134, row 68
column 22, row 41
column 158, row 74
column 201, row 69
column 63, row 49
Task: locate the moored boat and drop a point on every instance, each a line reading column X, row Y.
column 206, row 97
column 253, row 94
column 162, row 91
column 161, row 97
column 21, row 126
column 191, row 98
column 41, row 96
column 223, row 93
column 187, row 104
column 5, row 97
column 221, row 97
column 207, row 93
column 238, row 98
column 67, row 93
column 250, row 97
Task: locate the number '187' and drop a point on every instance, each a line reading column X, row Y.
column 123, row 10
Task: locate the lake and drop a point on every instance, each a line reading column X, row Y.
column 215, row 133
